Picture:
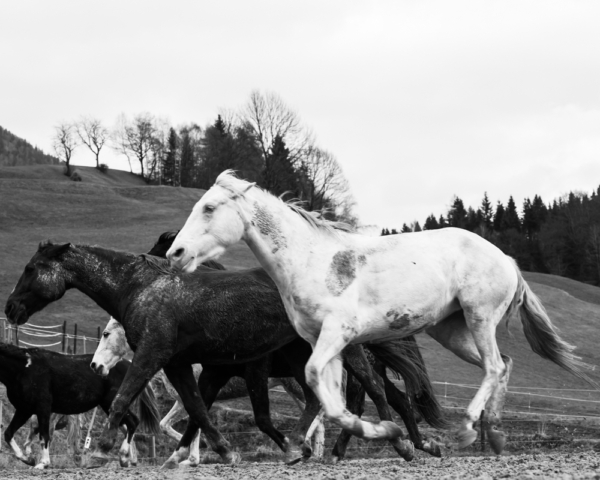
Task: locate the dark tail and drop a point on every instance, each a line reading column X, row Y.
column 404, row 358
column 542, row 336
column 147, row 408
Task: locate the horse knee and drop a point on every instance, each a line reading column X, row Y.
column 164, row 427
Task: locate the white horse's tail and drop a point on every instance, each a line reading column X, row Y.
column 543, row 336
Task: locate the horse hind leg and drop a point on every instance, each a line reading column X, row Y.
column 357, row 363
column 19, row 419
column 493, row 410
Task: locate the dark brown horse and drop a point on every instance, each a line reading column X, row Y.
column 173, row 321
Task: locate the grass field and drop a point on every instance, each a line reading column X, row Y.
column 118, row 210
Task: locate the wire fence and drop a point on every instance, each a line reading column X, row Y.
column 537, row 403
column 54, row 337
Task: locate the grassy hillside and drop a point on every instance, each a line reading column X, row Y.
column 117, row 210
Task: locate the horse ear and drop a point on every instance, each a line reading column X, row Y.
column 60, row 249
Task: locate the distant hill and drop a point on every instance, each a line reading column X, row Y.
column 16, row 151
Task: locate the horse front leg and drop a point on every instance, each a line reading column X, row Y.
column 147, row 360
column 18, row 420
column 182, row 379
column 324, row 376
column 257, row 380
column 44, row 428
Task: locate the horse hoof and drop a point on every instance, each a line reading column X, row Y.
column 466, row 438
column 29, row 461
column 124, row 463
column 408, row 450
column 189, row 463
column 232, row 458
column 286, row 445
column 391, row 430
column 335, row 460
column 306, row 451
column 41, row 466
column 432, row 448
column 497, row 439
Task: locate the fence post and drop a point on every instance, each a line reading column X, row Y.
column 17, row 335
column 98, row 333
column 153, row 450
column 64, row 339
column 1, row 425
column 84, row 352
column 75, row 341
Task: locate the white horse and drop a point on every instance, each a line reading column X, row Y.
column 340, row 287
column 113, row 347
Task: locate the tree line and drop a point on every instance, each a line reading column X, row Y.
column 560, row 238
column 16, row 151
column 264, row 141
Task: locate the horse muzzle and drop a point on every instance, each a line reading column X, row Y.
column 99, row 369
column 16, row 313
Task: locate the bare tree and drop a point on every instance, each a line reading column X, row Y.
column 136, row 138
column 92, row 134
column 119, row 138
column 270, row 117
column 324, row 186
column 64, row 142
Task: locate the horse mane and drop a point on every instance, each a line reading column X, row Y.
column 160, row 265
column 229, row 181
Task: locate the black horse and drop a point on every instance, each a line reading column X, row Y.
column 40, row 382
column 360, row 367
column 173, row 321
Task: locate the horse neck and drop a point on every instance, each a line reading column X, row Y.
column 102, row 275
column 283, row 246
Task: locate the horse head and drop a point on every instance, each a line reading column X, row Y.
column 42, row 282
column 217, row 221
column 163, row 244
column 112, row 348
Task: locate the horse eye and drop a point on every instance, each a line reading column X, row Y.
column 105, row 334
column 29, row 268
column 209, row 208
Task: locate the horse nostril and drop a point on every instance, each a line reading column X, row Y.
column 177, row 254
column 93, row 366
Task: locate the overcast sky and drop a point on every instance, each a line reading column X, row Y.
column 419, row 101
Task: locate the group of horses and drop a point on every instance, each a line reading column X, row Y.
column 326, row 299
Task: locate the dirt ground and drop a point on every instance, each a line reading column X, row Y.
column 584, row 464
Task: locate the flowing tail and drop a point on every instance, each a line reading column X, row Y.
column 404, row 358
column 147, row 408
column 543, row 336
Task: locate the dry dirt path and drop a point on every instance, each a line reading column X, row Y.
column 564, row 466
